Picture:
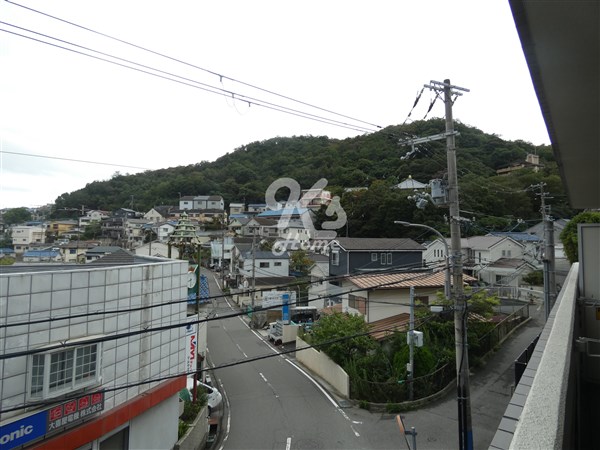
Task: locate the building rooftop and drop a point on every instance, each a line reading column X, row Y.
column 377, row 244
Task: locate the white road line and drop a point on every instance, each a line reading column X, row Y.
column 228, row 428
column 263, row 377
column 240, row 349
column 326, row 394
column 288, row 444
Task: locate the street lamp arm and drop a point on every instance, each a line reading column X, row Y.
column 443, row 239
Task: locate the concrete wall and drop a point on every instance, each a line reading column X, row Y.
column 196, row 435
column 154, row 428
column 320, row 364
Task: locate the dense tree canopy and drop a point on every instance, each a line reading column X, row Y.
column 373, row 161
column 16, row 216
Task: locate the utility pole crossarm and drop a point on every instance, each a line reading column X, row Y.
column 435, row 137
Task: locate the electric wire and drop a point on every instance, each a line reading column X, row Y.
column 221, row 76
column 148, row 329
column 198, row 85
column 221, row 366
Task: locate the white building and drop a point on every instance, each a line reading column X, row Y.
column 72, row 382
column 25, row 235
column 266, row 265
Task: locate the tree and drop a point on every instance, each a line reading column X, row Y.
column 92, row 230
column 300, row 262
column 569, row 233
column 16, row 216
column 350, row 333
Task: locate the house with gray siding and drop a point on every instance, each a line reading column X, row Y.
column 360, row 255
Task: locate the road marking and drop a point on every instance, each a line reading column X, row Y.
column 240, row 349
column 228, row 428
column 288, row 444
column 269, row 384
column 326, row 394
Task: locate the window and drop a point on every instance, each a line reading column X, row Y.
column 373, row 256
column 55, row 373
column 335, row 258
column 277, row 264
column 389, row 259
column 382, row 258
column 264, row 265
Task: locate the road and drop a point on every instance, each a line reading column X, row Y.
column 272, row 403
column 491, row 389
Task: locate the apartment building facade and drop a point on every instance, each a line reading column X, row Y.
column 84, row 379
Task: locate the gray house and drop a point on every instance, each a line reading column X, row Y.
column 356, row 255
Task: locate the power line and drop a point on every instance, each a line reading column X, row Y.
column 73, row 160
column 66, row 344
column 221, row 76
column 222, row 366
column 198, row 85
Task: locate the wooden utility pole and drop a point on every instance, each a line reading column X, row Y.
column 465, row 429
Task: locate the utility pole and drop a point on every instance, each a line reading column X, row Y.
column 252, row 293
column 411, row 344
column 465, row 429
column 548, row 255
column 223, row 252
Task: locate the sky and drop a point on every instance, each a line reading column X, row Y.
column 211, row 77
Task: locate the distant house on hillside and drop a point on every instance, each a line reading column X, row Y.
column 531, row 161
column 411, row 184
column 159, row 213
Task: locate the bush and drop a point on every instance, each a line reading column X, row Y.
column 190, row 411
column 535, row 278
column 183, row 427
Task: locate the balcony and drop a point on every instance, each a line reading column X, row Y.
column 556, row 403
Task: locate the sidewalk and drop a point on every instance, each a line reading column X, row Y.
column 490, row 391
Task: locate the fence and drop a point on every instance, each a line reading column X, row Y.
column 496, row 335
column 426, row 385
column 387, row 392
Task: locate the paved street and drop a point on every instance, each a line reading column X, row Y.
column 491, row 389
column 273, row 403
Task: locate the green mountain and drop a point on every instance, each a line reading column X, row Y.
column 375, row 161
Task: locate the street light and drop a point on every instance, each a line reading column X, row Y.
column 433, row 230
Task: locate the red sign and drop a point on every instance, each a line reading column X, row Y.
column 70, row 407
column 73, row 411
column 84, row 402
column 55, row 413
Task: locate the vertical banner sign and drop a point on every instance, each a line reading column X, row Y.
column 192, row 283
column 204, row 290
column 285, row 309
column 191, row 346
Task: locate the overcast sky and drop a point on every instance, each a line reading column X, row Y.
column 362, row 60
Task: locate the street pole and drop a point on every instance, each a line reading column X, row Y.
column 411, row 344
column 460, row 304
column 465, row 430
column 252, row 293
column 548, row 255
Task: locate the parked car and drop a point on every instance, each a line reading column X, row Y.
column 214, row 396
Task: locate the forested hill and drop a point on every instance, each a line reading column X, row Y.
column 374, row 161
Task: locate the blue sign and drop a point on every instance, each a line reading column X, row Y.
column 23, row 431
column 204, row 290
column 285, row 309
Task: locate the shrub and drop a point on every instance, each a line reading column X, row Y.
column 183, row 427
